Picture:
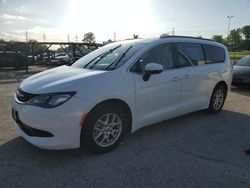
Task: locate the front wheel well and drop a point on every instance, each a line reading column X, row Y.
column 121, row 104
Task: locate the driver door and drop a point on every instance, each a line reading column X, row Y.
column 159, row 97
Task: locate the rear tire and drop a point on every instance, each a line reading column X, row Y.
column 104, row 128
column 217, row 99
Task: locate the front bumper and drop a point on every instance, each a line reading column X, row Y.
column 29, row 130
column 61, row 124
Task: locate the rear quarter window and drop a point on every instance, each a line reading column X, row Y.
column 214, row 54
column 189, row 54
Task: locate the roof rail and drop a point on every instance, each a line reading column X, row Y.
column 179, row 36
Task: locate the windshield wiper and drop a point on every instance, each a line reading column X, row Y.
column 115, row 63
column 101, row 57
column 95, row 59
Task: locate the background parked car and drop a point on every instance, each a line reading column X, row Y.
column 62, row 58
column 66, row 59
column 78, row 56
column 241, row 72
column 13, row 59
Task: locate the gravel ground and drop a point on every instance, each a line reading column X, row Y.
column 194, row 150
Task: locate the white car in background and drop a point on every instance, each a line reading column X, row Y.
column 62, row 58
column 121, row 88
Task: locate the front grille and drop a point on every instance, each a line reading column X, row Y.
column 24, row 96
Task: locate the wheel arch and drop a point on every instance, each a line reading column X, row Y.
column 120, row 103
column 223, row 83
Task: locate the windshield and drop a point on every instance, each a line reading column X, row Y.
column 244, row 61
column 109, row 57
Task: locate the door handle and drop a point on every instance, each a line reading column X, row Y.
column 176, row 78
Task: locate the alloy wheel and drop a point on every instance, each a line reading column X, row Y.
column 218, row 99
column 107, row 129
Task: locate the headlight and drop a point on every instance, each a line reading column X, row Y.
column 51, row 100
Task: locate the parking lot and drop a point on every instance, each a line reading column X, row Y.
column 194, row 150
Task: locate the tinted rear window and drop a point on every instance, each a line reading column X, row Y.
column 189, row 54
column 214, row 54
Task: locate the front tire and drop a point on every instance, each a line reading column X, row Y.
column 217, row 99
column 105, row 128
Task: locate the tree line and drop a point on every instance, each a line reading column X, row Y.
column 238, row 38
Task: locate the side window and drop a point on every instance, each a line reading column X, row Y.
column 161, row 54
column 189, row 54
column 214, row 54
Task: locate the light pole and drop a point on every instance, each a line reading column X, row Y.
column 229, row 23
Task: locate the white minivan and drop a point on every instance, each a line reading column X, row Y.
column 121, row 88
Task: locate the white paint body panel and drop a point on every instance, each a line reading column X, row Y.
column 166, row 95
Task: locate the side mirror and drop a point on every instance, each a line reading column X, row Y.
column 152, row 68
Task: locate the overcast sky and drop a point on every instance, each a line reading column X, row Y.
column 148, row 18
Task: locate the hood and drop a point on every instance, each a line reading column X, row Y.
column 56, row 79
column 238, row 70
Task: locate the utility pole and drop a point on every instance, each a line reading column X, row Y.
column 173, row 31
column 114, row 35
column 229, row 23
column 44, row 37
column 68, row 38
column 26, row 36
column 76, row 38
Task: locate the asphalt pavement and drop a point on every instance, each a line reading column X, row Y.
column 194, row 150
